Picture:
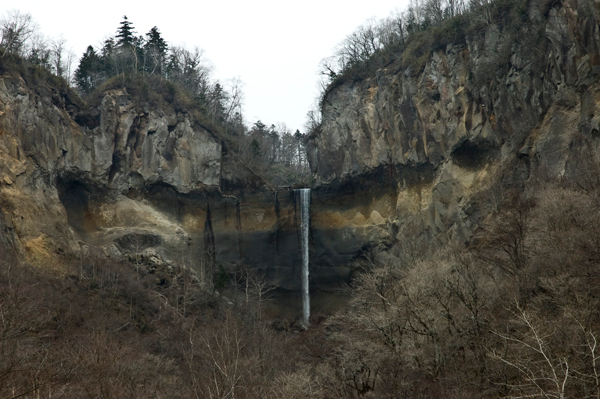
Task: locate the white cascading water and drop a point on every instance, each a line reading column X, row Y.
column 305, row 226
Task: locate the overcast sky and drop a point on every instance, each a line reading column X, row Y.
column 274, row 47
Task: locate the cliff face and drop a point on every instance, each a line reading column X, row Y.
column 128, row 180
column 502, row 109
column 424, row 155
column 66, row 184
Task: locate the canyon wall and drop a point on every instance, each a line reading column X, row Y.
column 128, row 179
column 413, row 156
column 436, row 149
column 125, row 179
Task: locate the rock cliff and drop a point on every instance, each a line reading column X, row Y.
column 412, row 155
column 128, row 179
column 434, row 149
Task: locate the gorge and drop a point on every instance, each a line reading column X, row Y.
column 405, row 151
column 452, row 202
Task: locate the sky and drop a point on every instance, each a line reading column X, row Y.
column 273, row 47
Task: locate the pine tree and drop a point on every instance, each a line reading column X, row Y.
column 255, row 149
column 89, row 74
column 108, row 56
column 155, row 40
column 129, row 50
column 108, row 47
column 301, row 149
column 259, row 128
column 155, row 52
column 125, row 33
column 216, row 102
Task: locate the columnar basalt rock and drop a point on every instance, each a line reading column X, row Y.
column 499, row 109
column 72, row 178
column 130, row 181
column 403, row 153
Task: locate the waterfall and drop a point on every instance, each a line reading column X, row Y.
column 305, row 227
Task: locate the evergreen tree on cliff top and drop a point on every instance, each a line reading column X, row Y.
column 155, row 52
column 154, row 40
column 129, row 52
column 125, row 33
column 89, row 74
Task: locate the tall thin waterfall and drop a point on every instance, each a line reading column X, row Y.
column 305, row 226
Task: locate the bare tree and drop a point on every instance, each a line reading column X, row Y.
column 360, row 45
column 434, row 11
column 503, row 240
column 235, row 98
column 37, row 50
column 484, row 10
column 544, row 370
column 392, row 30
column 415, row 15
column 296, row 385
column 16, row 29
column 189, row 68
column 454, row 7
column 61, row 59
column 214, row 358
